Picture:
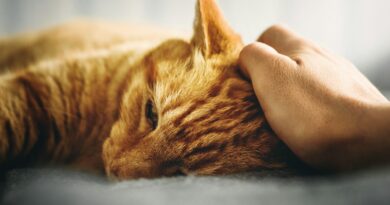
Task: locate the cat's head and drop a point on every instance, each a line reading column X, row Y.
column 190, row 111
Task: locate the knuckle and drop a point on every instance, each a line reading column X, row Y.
column 277, row 27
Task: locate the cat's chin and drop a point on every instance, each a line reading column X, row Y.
column 126, row 172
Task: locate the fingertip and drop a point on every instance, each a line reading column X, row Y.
column 253, row 55
column 258, row 48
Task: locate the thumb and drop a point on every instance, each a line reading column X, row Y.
column 261, row 59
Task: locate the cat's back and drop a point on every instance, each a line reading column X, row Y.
column 20, row 51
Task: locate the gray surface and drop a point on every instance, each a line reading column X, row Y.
column 379, row 73
column 62, row 188
column 387, row 94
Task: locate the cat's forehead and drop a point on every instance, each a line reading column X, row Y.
column 192, row 77
column 180, row 72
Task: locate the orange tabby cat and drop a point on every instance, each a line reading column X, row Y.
column 133, row 109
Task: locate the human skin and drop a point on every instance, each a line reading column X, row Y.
column 327, row 112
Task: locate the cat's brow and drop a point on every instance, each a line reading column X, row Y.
column 212, row 92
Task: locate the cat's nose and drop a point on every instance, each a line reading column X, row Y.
column 131, row 171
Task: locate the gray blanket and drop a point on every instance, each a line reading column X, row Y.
column 58, row 187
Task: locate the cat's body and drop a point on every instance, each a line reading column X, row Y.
column 81, row 37
column 119, row 103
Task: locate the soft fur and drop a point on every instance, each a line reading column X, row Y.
column 99, row 97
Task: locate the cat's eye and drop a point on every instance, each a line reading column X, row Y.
column 151, row 113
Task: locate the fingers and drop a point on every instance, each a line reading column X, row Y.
column 270, row 72
column 283, row 40
column 259, row 58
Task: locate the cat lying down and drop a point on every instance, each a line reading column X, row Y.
column 117, row 100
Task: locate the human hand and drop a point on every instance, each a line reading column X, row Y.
column 318, row 103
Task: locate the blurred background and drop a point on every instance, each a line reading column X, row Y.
column 356, row 29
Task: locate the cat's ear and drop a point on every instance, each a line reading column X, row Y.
column 212, row 34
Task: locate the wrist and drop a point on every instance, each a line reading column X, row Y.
column 375, row 147
column 377, row 121
column 364, row 141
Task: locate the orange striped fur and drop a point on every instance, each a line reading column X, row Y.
column 132, row 109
